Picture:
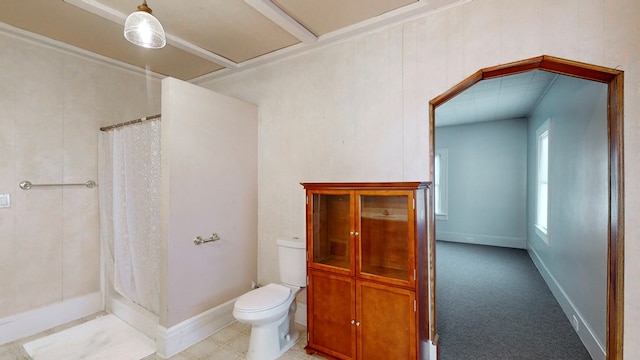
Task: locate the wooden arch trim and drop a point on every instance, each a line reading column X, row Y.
column 545, row 62
column 615, row 257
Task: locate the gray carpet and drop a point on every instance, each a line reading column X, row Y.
column 493, row 304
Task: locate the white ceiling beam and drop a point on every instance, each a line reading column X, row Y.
column 400, row 15
column 282, row 19
column 309, row 41
column 97, row 8
column 198, row 51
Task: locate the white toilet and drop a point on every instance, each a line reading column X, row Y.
column 271, row 309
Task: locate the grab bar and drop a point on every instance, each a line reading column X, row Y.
column 199, row 240
column 26, row 185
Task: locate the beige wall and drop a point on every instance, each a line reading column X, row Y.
column 358, row 110
column 51, row 106
column 209, row 185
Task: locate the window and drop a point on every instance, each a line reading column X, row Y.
column 542, row 185
column 440, row 184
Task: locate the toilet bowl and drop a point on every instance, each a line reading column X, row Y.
column 270, row 310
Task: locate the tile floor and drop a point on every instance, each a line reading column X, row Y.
column 230, row 343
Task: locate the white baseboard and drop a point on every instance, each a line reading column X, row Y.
column 179, row 337
column 168, row 341
column 428, row 350
column 595, row 348
column 139, row 318
column 31, row 322
column 187, row 333
column 504, row 241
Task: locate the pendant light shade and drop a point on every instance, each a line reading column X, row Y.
column 143, row 29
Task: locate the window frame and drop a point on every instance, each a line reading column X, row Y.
column 440, row 182
column 543, row 132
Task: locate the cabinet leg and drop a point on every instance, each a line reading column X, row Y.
column 309, row 351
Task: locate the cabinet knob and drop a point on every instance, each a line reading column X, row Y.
column 353, row 322
column 350, row 232
column 356, row 233
column 357, row 323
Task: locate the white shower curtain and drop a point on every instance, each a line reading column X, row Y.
column 129, row 183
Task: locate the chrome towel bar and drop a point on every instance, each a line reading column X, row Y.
column 26, row 185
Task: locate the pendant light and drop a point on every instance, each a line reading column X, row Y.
column 143, row 29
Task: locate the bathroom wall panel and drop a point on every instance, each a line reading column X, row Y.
column 522, row 42
column 80, row 242
column 482, row 18
column 84, row 104
column 209, row 185
column 38, row 150
column 39, row 255
column 52, row 103
column 8, row 244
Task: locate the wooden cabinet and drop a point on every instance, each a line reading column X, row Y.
column 367, row 267
column 332, row 298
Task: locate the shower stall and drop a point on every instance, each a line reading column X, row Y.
column 165, row 182
column 129, row 198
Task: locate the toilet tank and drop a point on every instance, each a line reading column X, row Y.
column 292, row 260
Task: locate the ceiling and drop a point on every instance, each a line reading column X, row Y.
column 504, row 98
column 210, row 38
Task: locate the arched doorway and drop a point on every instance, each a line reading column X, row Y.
column 615, row 257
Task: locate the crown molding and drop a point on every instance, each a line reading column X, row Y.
column 36, row 39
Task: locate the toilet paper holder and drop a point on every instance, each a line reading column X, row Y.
column 199, row 240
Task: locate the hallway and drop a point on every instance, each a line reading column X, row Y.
column 493, row 304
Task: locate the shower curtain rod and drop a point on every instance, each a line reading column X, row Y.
column 130, row 122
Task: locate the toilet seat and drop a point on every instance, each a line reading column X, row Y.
column 263, row 298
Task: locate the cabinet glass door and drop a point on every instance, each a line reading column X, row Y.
column 384, row 236
column 331, row 230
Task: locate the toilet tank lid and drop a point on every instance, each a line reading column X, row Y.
column 292, row 242
column 263, row 298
